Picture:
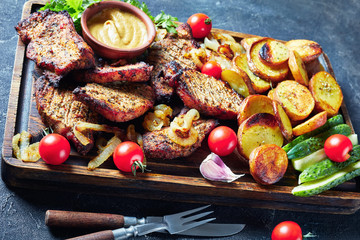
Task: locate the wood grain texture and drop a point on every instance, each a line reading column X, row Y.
column 173, row 180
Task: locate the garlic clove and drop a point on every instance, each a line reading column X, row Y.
column 214, row 169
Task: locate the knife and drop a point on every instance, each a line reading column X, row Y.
column 70, row 219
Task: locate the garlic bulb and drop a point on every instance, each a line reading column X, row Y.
column 214, row 169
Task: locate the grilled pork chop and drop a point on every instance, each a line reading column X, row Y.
column 53, row 43
column 138, row 72
column 171, row 48
column 60, row 111
column 158, row 145
column 117, row 103
column 208, row 95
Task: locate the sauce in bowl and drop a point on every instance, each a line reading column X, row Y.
column 119, row 29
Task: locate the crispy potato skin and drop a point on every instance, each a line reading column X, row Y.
column 259, row 85
column 273, row 74
column 326, row 92
column 308, row 50
column 283, row 120
column 298, row 69
column 246, row 42
column 238, row 80
column 268, row 164
column 311, row 124
column 254, row 104
column 295, row 98
column 257, row 130
column 274, row 53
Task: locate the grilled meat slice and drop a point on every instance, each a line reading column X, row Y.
column 60, row 111
column 117, row 103
column 53, row 42
column 172, row 48
column 158, row 145
column 164, row 82
column 138, row 72
column 208, row 95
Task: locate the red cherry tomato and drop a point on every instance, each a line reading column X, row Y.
column 337, row 147
column 128, row 156
column 200, row 24
column 287, row 230
column 212, row 68
column 54, row 149
column 222, row 140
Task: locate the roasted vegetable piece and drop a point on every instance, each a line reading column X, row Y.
column 283, row 120
column 307, row 49
column 331, row 122
column 326, row 92
column 254, row 104
column 274, row 53
column 238, row 80
column 273, row 74
column 311, row 124
column 298, row 69
column 327, row 167
column 268, row 164
column 257, row 130
column 295, row 98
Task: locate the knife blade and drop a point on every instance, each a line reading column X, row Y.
column 71, row 219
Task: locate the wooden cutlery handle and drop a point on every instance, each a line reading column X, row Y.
column 103, row 235
column 56, row 218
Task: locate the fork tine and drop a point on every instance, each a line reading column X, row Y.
column 183, row 214
column 195, row 217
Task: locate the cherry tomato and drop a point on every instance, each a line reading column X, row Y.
column 128, row 156
column 222, row 140
column 337, row 147
column 54, row 149
column 212, row 68
column 287, row 230
column 200, row 24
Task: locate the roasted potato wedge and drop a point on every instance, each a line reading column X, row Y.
column 311, row 124
column 238, row 80
column 254, row 104
column 246, row 42
column 273, row 74
column 307, row 49
column 326, row 92
column 283, row 120
column 259, row 85
column 268, row 164
column 271, row 94
column 274, row 53
column 257, row 130
column 295, row 98
column 298, row 69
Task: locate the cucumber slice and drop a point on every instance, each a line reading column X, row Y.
column 321, row 185
column 301, row 164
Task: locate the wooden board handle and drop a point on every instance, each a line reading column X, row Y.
column 103, row 235
column 56, row 218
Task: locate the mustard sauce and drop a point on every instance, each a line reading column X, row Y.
column 118, row 29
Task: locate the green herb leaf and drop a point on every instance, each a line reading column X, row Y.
column 76, row 7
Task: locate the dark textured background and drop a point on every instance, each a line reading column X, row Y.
column 334, row 24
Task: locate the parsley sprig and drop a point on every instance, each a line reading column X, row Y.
column 76, row 7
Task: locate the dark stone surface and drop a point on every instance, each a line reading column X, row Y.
column 333, row 24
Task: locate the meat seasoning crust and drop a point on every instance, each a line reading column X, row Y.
column 53, row 42
column 158, row 145
column 117, row 103
column 59, row 110
column 208, row 95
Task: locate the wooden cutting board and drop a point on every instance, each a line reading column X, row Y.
column 173, row 180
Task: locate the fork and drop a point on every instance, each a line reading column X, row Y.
column 174, row 223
